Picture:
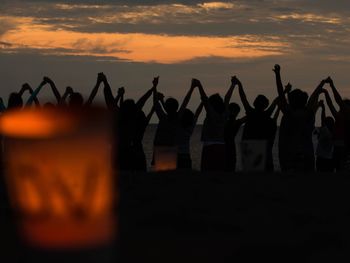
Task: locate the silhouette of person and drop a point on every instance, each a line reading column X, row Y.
column 341, row 126
column 60, row 99
column 168, row 120
column 213, row 131
column 132, row 126
column 296, row 151
column 131, row 123
column 76, row 99
column 34, row 94
column 287, row 90
column 259, row 125
column 325, row 145
column 188, row 121
column 231, row 129
column 15, row 100
column 173, row 129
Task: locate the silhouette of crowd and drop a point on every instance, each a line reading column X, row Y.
column 221, row 125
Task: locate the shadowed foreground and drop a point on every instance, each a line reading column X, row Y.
column 194, row 217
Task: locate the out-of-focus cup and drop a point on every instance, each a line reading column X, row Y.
column 58, row 170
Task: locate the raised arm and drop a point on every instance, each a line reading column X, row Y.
column 186, row 99
column 24, row 88
column 100, row 78
column 272, row 106
column 156, row 100
column 277, row 114
column 230, row 91
column 108, row 95
column 142, row 101
column 282, row 98
column 337, row 97
column 36, row 100
column 313, row 100
column 243, row 96
column 149, row 116
column 34, row 94
column 198, row 113
column 330, row 103
column 204, row 97
column 275, row 102
column 55, row 91
column 119, row 99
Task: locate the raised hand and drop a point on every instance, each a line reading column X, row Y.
column 101, row 77
column 238, row 82
column 47, row 80
column 121, row 91
column 196, row 83
column 277, row 68
column 234, row 81
column 323, row 82
column 329, row 80
column 288, row 88
column 193, row 83
column 155, row 81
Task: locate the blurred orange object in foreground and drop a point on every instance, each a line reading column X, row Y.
column 60, row 177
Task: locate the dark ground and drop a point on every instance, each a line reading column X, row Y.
column 194, row 217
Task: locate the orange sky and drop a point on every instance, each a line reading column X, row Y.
column 137, row 47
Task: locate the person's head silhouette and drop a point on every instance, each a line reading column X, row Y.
column 171, row 106
column 234, row 109
column 15, row 101
column 261, row 103
column 297, row 99
column 217, row 103
column 76, row 100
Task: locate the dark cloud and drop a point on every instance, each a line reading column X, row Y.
column 248, row 17
column 110, row 2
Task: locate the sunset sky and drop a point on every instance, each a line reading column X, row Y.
column 132, row 41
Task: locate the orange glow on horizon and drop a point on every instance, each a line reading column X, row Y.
column 136, row 47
